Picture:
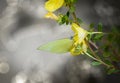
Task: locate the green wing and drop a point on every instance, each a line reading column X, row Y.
column 58, row 46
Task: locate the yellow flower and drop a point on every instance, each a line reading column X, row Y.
column 80, row 33
column 79, row 45
column 51, row 16
column 53, row 5
column 80, row 48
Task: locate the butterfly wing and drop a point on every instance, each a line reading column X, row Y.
column 58, row 46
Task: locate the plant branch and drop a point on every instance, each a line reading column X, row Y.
column 97, row 57
column 93, row 56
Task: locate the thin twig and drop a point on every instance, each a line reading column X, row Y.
column 97, row 57
column 93, row 44
column 97, row 60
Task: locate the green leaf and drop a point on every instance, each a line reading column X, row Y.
column 58, row 46
column 73, row 1
column 68, row 13
column 67, row 1
column 98, row 37
column 95, row 63
column 89, row 36
column 113, row 70
column 70, row 1
column 110, row 71
column 60, row 20
column 100, row 27
column 106, row 54
column 72, row 9
column 63, row 19
column 108, row 62
column 79, row 20
column 66, row 19
column 92, row 26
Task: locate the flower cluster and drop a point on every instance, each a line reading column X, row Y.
column 83, row 41
column 79, row 44
column 51, row 6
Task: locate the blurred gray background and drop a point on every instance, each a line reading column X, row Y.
column 23, row 29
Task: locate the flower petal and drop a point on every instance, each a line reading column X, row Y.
column 79, row 46
column 53, row 5
column 80, row 33
column 51, row 16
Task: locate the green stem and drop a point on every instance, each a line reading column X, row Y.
column 93, row 44
column 95, row 32
column 74, row 16
column 97, row 60
column 97, row 57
